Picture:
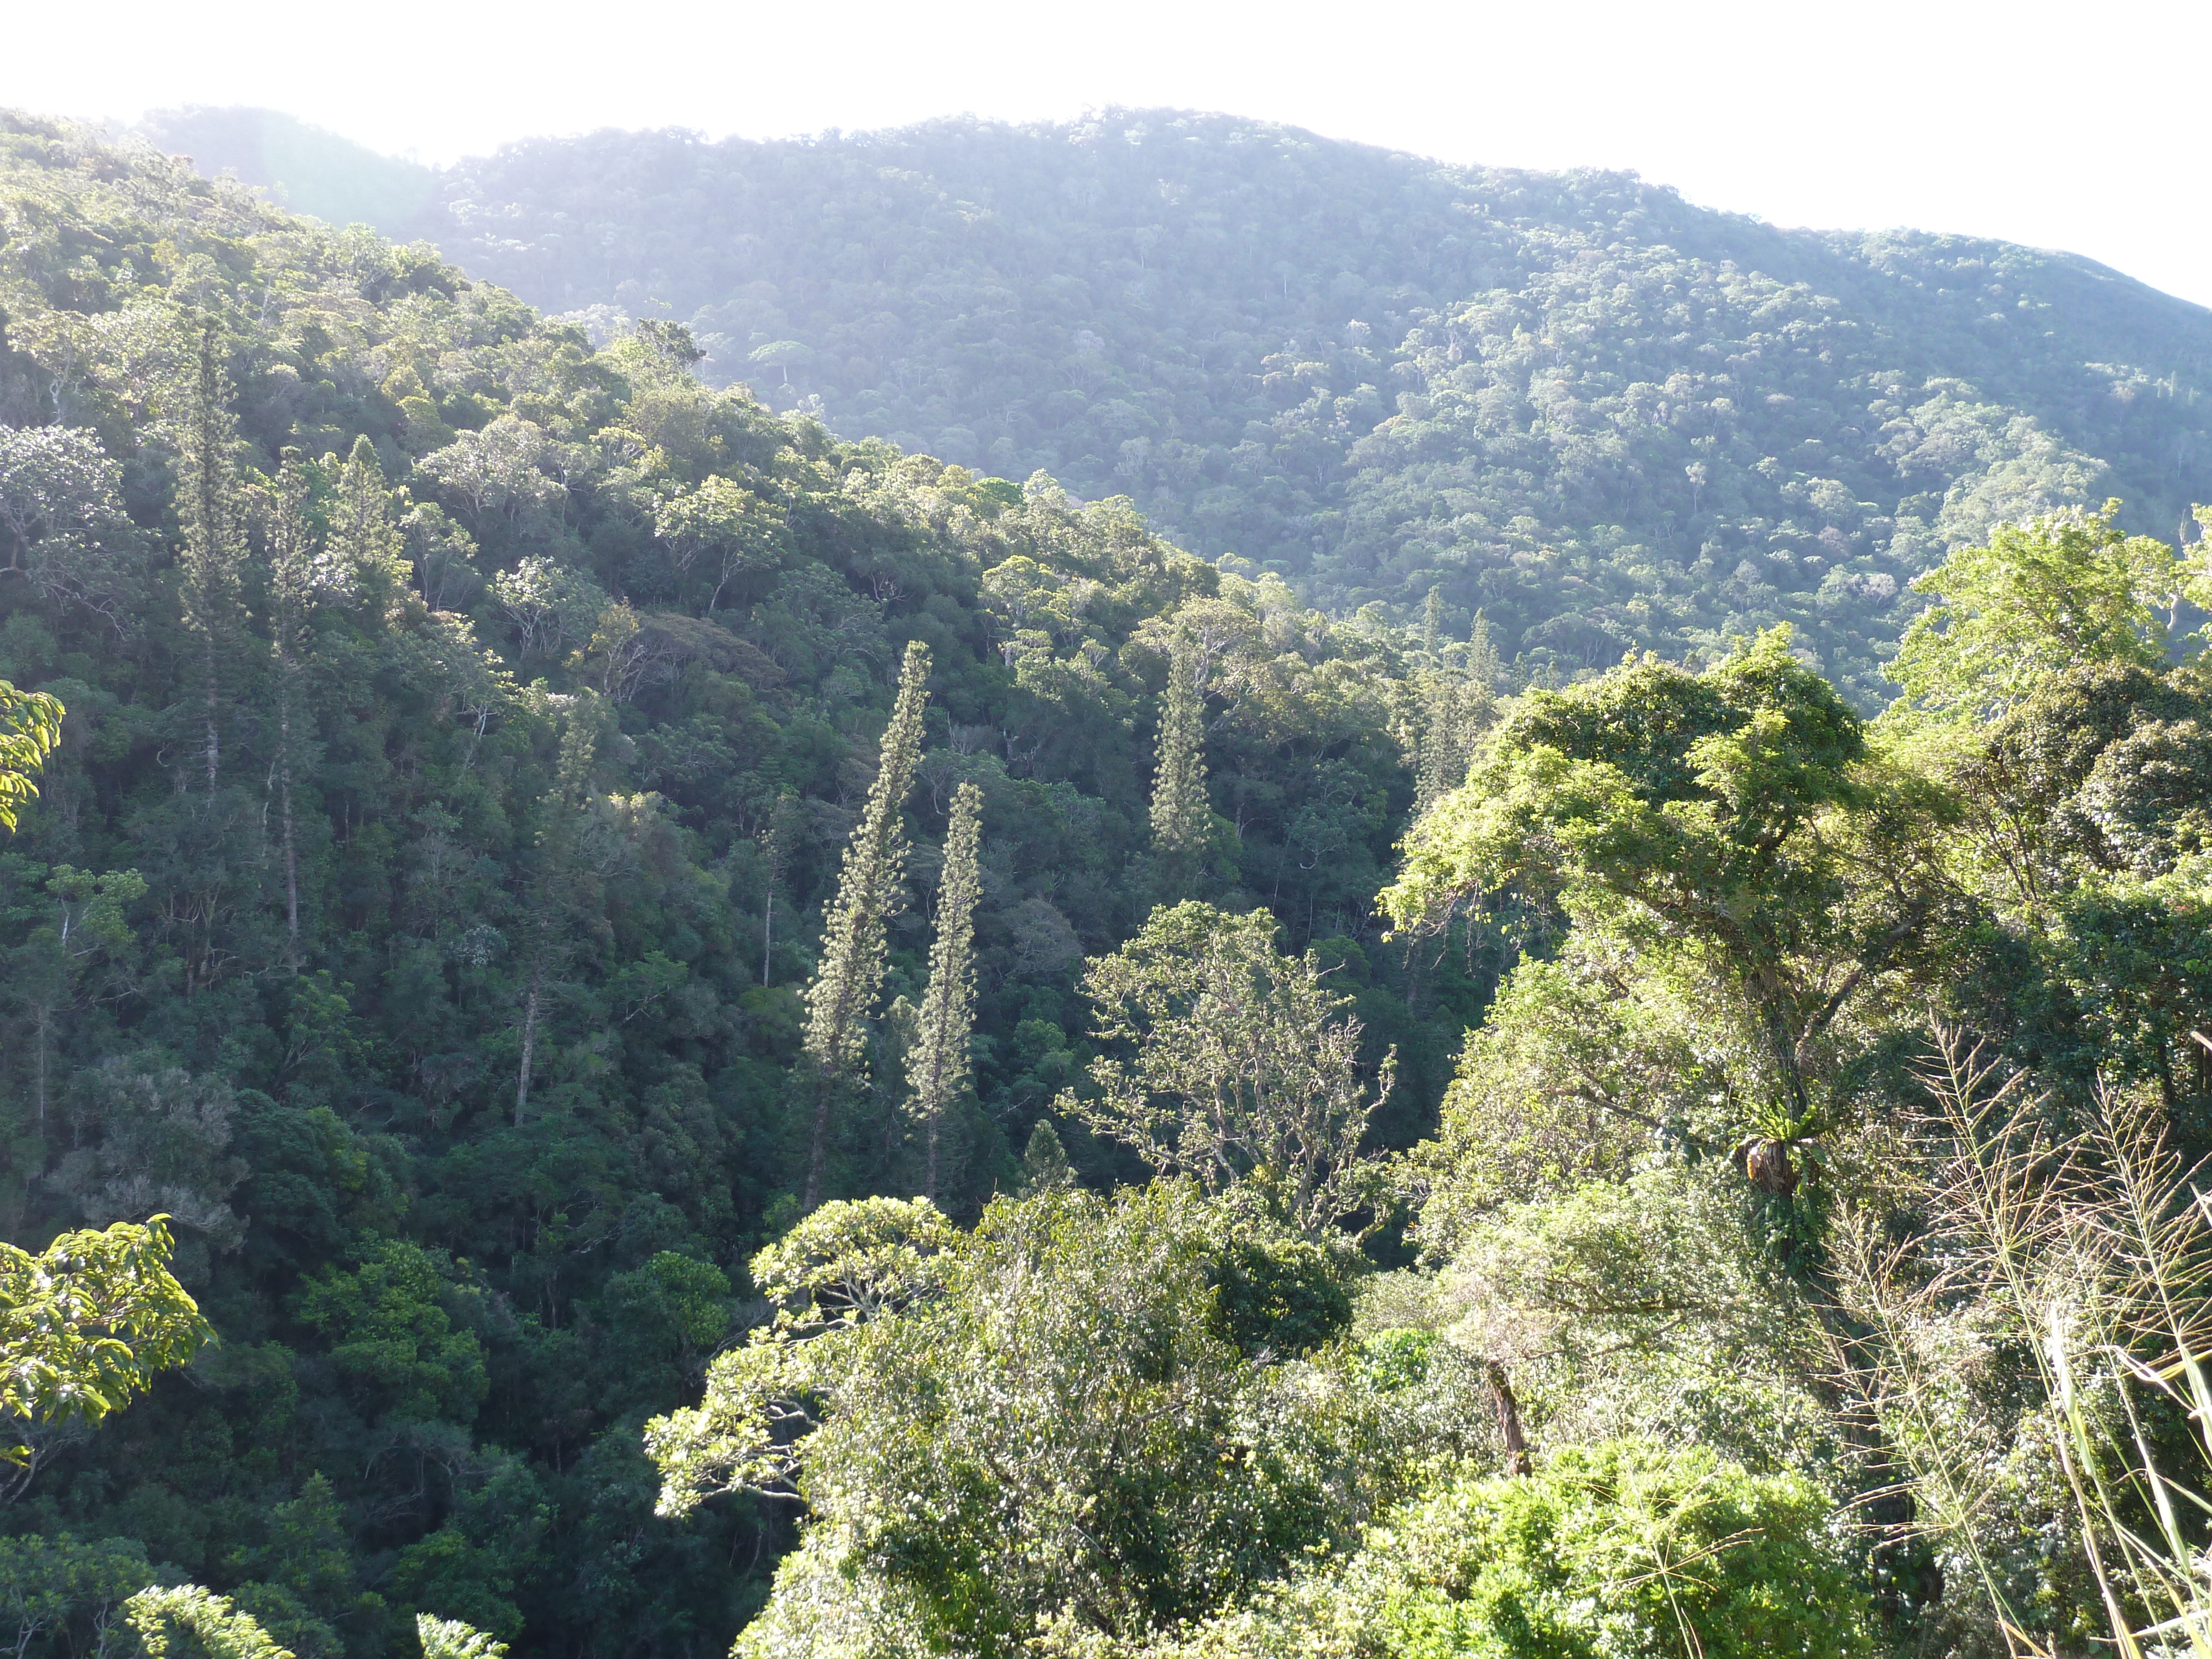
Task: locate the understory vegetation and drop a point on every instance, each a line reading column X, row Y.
column 631, row 1025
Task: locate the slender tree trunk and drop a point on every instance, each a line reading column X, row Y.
column 291, row 848
column 213, row 710
column 825, row 1089
column 530, row 1027
column 1509, row 1418
column 46, row 1024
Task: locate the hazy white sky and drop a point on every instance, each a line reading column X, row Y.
column 2080, row 126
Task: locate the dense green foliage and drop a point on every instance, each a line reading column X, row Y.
column 84, row 1325
column 440, row 692
column 527, row 824
column 1610, row 419
column 30, row 726
column 1722, row 1220
column 1058, row 1431
column 1612, row 1549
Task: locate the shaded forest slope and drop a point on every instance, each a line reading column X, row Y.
column 464, row 727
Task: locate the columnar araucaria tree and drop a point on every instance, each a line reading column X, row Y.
column 938, row 1069
column 1180, row 815
column 207, row 511
column 843, row 995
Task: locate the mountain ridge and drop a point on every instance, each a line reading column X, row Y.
column 1301, row 353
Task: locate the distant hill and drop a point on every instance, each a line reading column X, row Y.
column 1607, row 417
column 304, row 167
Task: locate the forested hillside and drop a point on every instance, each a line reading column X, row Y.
column 1608, row 418
column 419, row 905
column 631, row 1025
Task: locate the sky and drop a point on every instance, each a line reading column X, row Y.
column 2078, row 127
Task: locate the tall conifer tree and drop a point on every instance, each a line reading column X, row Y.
column 843, row 993
column 775, row 854
column 552, row 892
column 291, row 593
column 939, row 1067
column 368, row 551
column 1484, row 667
column 1180, row 814
column 207, row 509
